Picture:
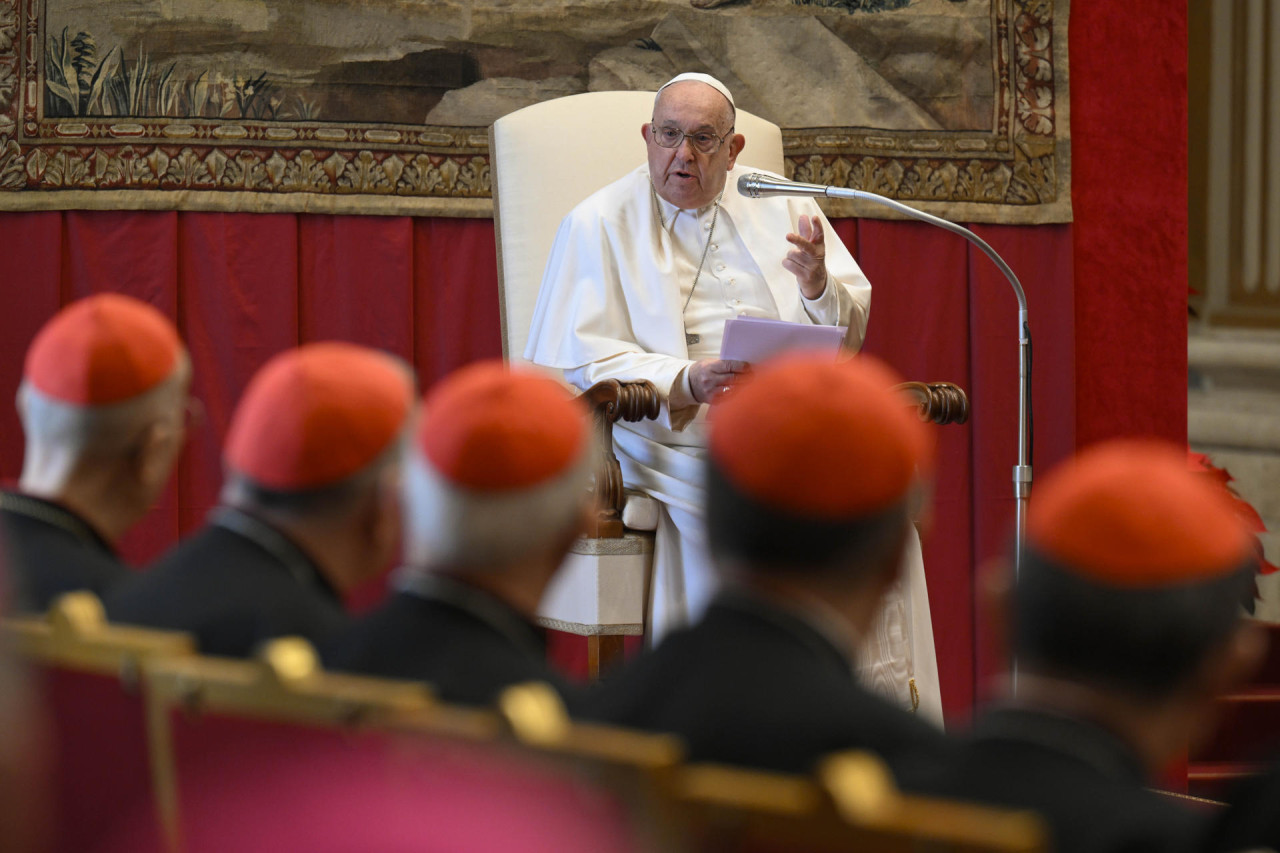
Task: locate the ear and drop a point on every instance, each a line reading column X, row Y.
column 735, row 148
column 586, row 516
column 1235, row 660
column 890, row 568
column 582, row 522
column 156, row 452
column 384, row 528
column 645, row 130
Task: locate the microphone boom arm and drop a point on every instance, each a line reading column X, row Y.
column 757, row 185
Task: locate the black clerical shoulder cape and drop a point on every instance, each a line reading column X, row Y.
column 234, row 583
column 465, row 642
column 1086, row 782
column 758, row 685
column 1251, row 820
column 54, row 551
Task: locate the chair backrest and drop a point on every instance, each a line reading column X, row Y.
column 88, row 672
column 75, row 635
column 548, row 157
column 275, row 754
column 283, row 692
column 851, row 805
column 636, row 768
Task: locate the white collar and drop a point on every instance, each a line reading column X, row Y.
column 667, row 211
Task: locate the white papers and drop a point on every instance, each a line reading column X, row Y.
column 755, row 339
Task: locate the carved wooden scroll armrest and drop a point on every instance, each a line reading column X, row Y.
column 939, row 402
column 611, row 401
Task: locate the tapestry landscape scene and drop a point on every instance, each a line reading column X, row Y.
column 383, row 105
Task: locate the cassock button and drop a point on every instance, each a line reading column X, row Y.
column 719, row 267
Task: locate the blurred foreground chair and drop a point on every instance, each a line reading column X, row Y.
column 851, row 804
column 636, row 768
column 89, row 674
column 546, row 158
column 276, row 754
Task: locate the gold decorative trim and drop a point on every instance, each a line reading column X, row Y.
column 627, row 629
column 1017, row 171
column 627, row 545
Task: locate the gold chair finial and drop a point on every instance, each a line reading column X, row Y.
column 77, row 613
column 290, row 659
column 860, row 785
column 535, row 713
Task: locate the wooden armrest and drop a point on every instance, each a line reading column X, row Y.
column 939, row 402
column 612, row 401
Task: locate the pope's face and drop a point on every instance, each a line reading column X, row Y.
column 685, row 176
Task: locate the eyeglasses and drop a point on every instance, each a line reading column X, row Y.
column 673, row 137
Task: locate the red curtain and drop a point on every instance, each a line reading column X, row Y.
column 243, row 287
column 1107, row 298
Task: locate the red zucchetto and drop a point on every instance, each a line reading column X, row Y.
column 1128, row 513
column 812, row 437
column 101, row 350
column 317, row 414
column 492, row 428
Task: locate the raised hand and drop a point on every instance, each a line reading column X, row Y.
column 807, row 261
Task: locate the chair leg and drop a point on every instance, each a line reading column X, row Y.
column 604, row 654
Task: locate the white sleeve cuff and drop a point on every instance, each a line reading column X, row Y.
column 681, row 392
column 825, row 310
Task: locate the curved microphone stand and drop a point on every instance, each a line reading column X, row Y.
column 757, row 185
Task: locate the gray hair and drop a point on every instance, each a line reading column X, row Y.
column 446, row 524
column 96, row 432
column 327, row 501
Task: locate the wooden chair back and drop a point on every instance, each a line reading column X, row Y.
column 275, row 752
column 210, row 718
column 852, row 804
column 88, row 673
column 636, row 768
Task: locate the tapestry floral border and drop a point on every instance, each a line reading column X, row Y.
column 1017, row 172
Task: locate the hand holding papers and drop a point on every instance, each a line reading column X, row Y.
column 753, row 339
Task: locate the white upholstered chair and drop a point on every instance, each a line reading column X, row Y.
column 545, row 159
column 548, row 157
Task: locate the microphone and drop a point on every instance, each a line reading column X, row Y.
column 756, row 185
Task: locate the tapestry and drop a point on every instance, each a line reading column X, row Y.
column 382, row 106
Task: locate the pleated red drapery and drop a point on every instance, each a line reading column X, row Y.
column 243, row 287
column 1107, row 299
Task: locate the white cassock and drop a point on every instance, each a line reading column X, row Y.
column 618, row 301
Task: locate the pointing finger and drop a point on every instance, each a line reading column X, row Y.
column 816, row 236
